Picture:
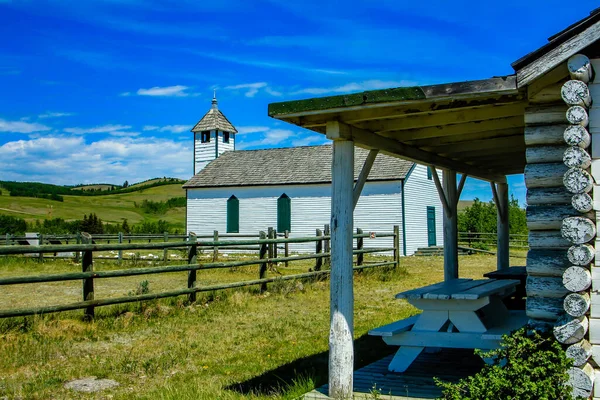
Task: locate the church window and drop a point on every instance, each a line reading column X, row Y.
column 233, row 215
column 225, row 137
column 284, row 213
column 205, row 137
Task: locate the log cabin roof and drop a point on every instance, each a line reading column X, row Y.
column 289, row 166
column 474, row 127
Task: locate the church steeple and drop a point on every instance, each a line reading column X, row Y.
column 213, row 135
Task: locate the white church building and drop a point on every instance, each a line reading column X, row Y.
column 247, row 191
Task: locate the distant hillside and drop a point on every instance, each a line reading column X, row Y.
column 98, row 186
column 462, row 204
column 110, row 207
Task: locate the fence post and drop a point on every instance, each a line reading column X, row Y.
column 397, row 245
column 319, row 250
column 120, row 251
column 271, row 253
column 165, row 250
column 327, row 246
column 275, row 244
column 8, row 239
column 262, row 254
column 78, row 241
column 215, row 247
column 359, row 246
column 87, row 265
column 286, row 250
column 40, row 243
column 192, row 259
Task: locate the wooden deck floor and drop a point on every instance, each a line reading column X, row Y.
column 417, row 382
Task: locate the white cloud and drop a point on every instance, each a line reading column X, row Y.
column 167, row 91
column 98, row 129
column 372, row 84
column 21, row 126
column 251, row 89
column 167, row 128
column 308, row 140
column 242, row 130
column 150, row 128
column 55, row 114
column 124, row 134
column 70, row 160
column 270, row 138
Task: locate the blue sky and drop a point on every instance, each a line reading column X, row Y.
column 107, row 91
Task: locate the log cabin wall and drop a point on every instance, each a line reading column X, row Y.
column 561, row 214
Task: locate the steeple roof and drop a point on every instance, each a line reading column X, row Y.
column 214, row 119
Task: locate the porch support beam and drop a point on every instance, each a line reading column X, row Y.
column 450, row 225
column 341, row 344
column 500, row 192
column 364, row 174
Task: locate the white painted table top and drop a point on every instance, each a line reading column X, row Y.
column 460, row 289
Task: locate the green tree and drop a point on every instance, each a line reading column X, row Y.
column 125, row 226
column 125, row 184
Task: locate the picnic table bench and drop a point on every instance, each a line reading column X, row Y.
column 457, row 313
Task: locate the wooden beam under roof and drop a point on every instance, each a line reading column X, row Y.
column 392, row 147
column 477, row 145
column 458, row 138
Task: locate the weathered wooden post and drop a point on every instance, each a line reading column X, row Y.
column 397, row 245
column 271, row 252
column 341, row 341
column 359, row 246
column 87, row 265
column 192, row 259
column 120, row 239
column 286, row 250
column 78, row 241
column 450, row 226
column 262, row 254
column 275, row 244
column 41, row 243
column 165, row 250
column 319, row 250
column 500, row 192
column 216, row 246
column 327, row 245
column 7, row 243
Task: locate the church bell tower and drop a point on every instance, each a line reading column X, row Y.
column 213, row 135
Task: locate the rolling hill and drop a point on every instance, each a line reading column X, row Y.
column 111, row 208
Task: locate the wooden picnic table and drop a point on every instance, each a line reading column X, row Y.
column 457, row 313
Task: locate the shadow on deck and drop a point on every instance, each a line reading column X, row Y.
column 417, row 382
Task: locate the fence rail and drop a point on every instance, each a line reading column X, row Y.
column 267, row 257
column 516, row 241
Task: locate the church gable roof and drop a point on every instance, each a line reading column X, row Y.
column 289, row 166
column 214, row 119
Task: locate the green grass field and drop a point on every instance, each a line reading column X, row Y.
column 236, row 344
column 111, row 208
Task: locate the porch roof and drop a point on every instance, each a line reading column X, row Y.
column 473, row 127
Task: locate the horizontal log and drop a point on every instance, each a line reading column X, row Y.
column 547, row 196
column 576, row 93
column 548, row 94
column 550, row 217
column 581, row 379
column 577, row 304
column 579, row 352
column 576, row 157
column 569, row 330
column 578, row 230
column 545, row 154
column 577, row 135
column 547, row 262
column 577, row 279
column 577, row 180
column 580, row 68
column 582, row 202
column 578, row 115
column 547, row 240
column 544, row 308
column 545, row 286
column 545, row 135
column 547, row 114
column 539, row 325
column 581, row 254
column 545, row 175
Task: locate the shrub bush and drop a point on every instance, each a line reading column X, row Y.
column 528, row 366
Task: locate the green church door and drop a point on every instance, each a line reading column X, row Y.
column 431, row 239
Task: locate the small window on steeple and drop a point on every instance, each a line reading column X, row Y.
column 205, row 137
column 225, row 137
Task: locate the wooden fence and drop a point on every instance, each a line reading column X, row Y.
column 516, row 241
column 267, row 255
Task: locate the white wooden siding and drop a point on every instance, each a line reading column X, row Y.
column 204, row 152
column 378, row 209
column 223, row 147
column 419, row 193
